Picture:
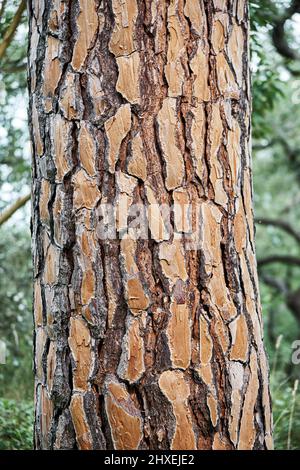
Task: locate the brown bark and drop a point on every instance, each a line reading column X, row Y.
column 144, row 344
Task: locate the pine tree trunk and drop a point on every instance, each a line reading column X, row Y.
column 152, row 343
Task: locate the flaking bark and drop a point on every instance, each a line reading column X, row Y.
column 144, row 344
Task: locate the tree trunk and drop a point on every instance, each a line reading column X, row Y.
column 155, row 342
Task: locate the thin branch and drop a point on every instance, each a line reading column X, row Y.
column 7, row 213
column 280, row 224
column 10, row 32
column 291, row 298
column 281, row 44
column 283, row 259
column 293, row 72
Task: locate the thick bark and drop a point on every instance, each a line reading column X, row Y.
column 144, row 344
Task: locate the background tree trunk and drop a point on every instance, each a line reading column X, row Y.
column 144, row 344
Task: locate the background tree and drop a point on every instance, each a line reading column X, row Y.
column 14, row 181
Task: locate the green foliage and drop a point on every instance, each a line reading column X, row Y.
column 16, row 425
column 262, row 13
column 16, row 312
column 276, row 123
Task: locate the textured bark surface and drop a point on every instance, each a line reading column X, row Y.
column 144, row 344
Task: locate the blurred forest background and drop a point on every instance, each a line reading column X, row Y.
column 275, row 56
